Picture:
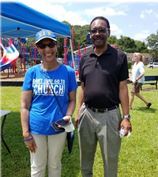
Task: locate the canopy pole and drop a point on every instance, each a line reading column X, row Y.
column 72, row 54
column 65, row 51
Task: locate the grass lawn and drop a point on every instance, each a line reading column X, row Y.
column 151, row 71
column 139, row 152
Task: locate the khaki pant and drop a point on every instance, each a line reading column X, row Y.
column 49, row 151
column 102, row 128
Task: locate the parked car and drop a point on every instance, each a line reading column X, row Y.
column 153, row 65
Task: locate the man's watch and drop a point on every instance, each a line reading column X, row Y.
column 127, row 116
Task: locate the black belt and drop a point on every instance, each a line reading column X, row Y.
column 102, row 110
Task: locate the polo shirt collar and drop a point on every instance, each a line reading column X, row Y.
column 107, row 52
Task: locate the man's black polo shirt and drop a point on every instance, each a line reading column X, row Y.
column 101, row 76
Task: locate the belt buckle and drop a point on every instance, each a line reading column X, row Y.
column 95, row 109
column 106, row 109
column 101, row 110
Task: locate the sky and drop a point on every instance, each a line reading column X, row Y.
column 135, row 19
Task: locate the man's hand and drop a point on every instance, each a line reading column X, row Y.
column 77, row 120
column 126, row 125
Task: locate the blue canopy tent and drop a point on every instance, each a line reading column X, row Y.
column 19, row 20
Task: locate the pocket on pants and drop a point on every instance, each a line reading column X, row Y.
column 81, row 115
column 115, row 119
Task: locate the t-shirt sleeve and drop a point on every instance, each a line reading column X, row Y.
column 124, row 68
column 27, row 84
column 142, row 68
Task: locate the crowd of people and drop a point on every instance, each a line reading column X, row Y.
column 49, row 94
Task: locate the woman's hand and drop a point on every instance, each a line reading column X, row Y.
column 67, row 118
column 30, row 143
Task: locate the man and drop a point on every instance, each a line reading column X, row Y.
column 103, row 75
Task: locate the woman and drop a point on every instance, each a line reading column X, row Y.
column 137, row 78
column 48, row 87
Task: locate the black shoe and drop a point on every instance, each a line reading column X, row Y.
column 148, row 105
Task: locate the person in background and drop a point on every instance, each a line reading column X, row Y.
column 103, row 74
column 45, row 86
column 137, row 78
column 1, row 52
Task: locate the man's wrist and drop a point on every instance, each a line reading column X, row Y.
column 127, row 116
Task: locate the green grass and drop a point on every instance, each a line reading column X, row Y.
column 151, row 71
column 138, row 156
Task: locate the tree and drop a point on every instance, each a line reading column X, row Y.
column 141, row 47
column 80, row 35
column 112, row 40
column 127, row 44
column 153, row 44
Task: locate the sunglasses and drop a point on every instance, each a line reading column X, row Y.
column 43, row 46
column 101, row 30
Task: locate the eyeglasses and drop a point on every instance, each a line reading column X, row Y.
column 43, row 46
column 101, row 30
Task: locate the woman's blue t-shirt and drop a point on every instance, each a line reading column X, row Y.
column 44, row 84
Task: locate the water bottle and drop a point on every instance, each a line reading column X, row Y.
column 122, row 132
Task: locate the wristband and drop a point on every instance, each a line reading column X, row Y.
column 28, row 138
